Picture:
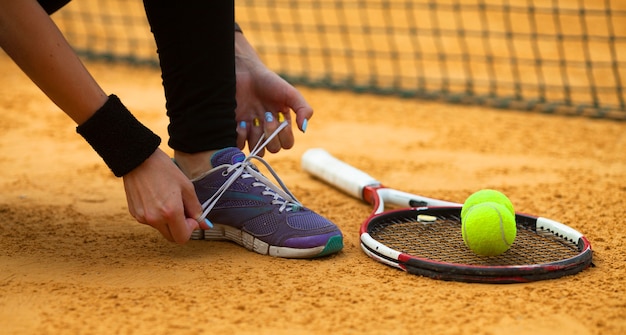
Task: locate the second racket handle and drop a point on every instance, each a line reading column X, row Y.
column 347, row 178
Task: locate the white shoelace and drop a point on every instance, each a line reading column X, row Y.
column 244, row 169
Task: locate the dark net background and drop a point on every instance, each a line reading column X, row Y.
column 553, row 56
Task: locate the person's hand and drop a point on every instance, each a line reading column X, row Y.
column 264, row 100
column 160, row 195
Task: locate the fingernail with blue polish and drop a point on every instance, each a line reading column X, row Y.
column 269, row 117
column 305, row 123
column 242, row 124
column 208, row 223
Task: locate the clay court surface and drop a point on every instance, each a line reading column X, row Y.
column 73, row 261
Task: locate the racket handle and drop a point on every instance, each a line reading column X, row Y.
column 347, row 178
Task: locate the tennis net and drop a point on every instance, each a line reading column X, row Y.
column 553, row 56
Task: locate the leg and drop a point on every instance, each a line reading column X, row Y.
column 196, row 50
column 195, row 41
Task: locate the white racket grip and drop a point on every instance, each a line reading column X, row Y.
column 347, row 178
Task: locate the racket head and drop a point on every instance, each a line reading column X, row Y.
column 570, row 251
column 427, row 241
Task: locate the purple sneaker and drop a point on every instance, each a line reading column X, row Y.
column 247, row 208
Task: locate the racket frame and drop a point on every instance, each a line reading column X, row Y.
column 362, row 186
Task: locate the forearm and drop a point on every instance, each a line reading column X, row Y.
column 32, row 40
column 36, row 45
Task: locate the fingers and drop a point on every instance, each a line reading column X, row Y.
column 242, row 134
column 179, row 228
column 301, row 108
column 193, row 210
column 159, row 195
column 173, row 225
column 141, row 218
column 252, row 131
column 285, row 137
column 255, row 132
column 182, row 219
column 269, row 126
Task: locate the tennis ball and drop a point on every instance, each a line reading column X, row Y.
column 488, row 229
column 487, row 195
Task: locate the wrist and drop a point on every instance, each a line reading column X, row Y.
column 118, row 137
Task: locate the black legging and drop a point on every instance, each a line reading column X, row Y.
column 195, row 42
column 196, row 46
column 51, row 6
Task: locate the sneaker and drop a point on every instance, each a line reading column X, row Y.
column 247, row 208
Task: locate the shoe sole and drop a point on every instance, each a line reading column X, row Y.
column 222, row 232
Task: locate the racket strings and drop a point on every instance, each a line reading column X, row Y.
column 442, row 241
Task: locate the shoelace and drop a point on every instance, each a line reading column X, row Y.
column 245, row 169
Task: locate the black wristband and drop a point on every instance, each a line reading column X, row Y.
column 118, row 137
column 238, row 28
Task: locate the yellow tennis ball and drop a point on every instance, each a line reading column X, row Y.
column 487, row 195
column 488, row 229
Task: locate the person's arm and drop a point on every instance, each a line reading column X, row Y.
column 32, row 40
column 158, row 193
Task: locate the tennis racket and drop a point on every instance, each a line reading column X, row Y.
column 425, row 238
